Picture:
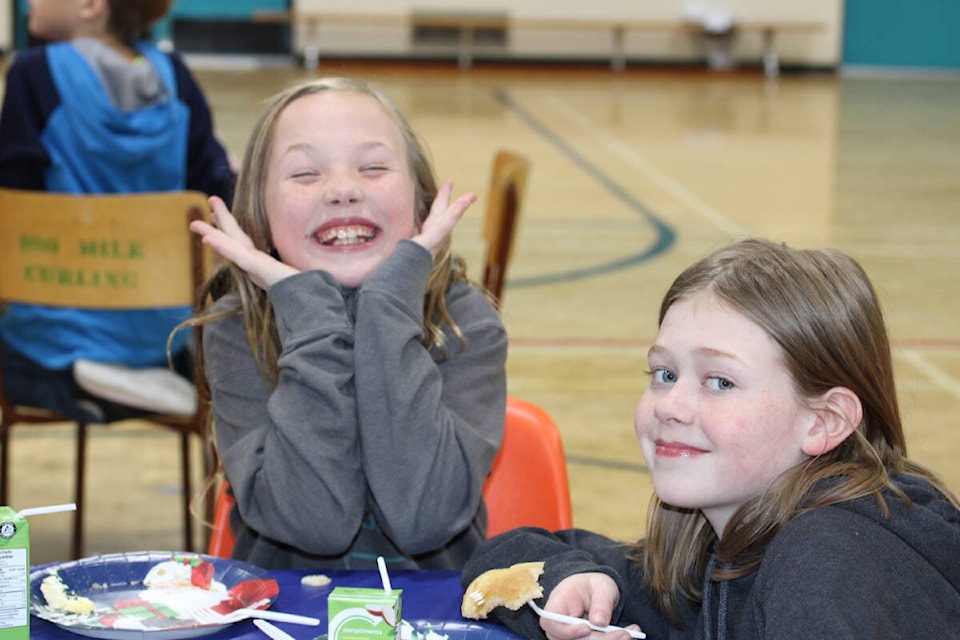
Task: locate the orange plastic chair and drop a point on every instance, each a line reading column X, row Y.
column 221, row 538
column 527, row 486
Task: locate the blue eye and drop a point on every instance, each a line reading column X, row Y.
column 663, row 376
column 716, row 383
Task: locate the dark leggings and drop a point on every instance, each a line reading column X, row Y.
column 29, row 384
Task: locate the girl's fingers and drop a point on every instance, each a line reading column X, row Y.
column 229, row 241
column 227, row 224
column 443, row 217
column 563, row 631
column 201, row 228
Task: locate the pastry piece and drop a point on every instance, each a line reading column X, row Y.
column 510, row 587
column 315, row 580
column 55, row 593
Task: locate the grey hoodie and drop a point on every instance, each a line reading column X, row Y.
column 369, row 444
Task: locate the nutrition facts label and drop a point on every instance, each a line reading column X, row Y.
column 13, row 588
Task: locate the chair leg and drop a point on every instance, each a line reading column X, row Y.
column 187, row 491
column 211, row 462
column 77, row 550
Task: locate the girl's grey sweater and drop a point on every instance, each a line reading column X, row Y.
column 369, row 444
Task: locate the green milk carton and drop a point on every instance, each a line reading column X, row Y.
column 363, row 614
column 14, row 576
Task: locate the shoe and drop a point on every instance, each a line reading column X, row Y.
column 155, row 389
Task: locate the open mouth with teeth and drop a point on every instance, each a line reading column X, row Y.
column 346, row 235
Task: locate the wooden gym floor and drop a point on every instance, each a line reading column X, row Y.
column 633, row 177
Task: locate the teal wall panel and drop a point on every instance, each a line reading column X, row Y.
column 235, row 9
column 216, row 9
column 192, row 9
column 902, row 33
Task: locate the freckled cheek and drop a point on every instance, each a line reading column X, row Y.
column 643, row 417
column 746, row 451
column 273, row 203
column 732, row 433
column 400, row 211
column 407, row 229
column 643, row 427
column 288, row 208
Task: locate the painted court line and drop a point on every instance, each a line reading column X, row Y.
column 664, row 234
column 931, row 371
column 645, row 167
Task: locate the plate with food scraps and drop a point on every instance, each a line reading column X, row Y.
column 146, row 595
column 454, row 630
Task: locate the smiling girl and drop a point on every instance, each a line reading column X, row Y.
column 356, row 377
column 785, row 506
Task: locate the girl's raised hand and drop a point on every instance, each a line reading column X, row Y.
column 443, row 218
column 226, row 238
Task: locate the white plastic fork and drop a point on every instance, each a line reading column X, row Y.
column 207, row 615
column 559, row 617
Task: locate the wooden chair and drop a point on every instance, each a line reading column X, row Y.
column 147, row 258
column 527, row 485
column 505, row 197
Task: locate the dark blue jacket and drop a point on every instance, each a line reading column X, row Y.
column 60, row 131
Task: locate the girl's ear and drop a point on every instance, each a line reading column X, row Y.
column 837, row 415
column 92, row 9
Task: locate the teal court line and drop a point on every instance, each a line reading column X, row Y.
column 664, row 234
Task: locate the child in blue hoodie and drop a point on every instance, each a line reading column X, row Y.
column 98, row 110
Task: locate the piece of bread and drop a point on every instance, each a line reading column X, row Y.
column 510, row 587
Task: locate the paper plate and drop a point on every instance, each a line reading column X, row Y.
column 125, row 608
column 454, row 630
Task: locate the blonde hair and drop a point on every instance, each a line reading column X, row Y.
column 821, row 309
column 129, row 20
column 250, row 212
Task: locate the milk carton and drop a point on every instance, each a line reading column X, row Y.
column 14, row 576
column 363, row 614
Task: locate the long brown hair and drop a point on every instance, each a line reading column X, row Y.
column 250, row 212
column 821, row 309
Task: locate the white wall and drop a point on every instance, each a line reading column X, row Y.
column 820, row 49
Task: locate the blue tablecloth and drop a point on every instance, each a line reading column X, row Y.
column 429, row 597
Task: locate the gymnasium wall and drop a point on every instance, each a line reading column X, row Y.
column 894, row 33
column 819, row 49
column 856, row 33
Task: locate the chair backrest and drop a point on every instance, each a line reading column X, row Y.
column 117, row 251
column 507, row 188
column 104, row 251
column 99, row 251
column 527, row 486
column 528, row 483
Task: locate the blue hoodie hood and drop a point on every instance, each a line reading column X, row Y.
column 98, row 147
